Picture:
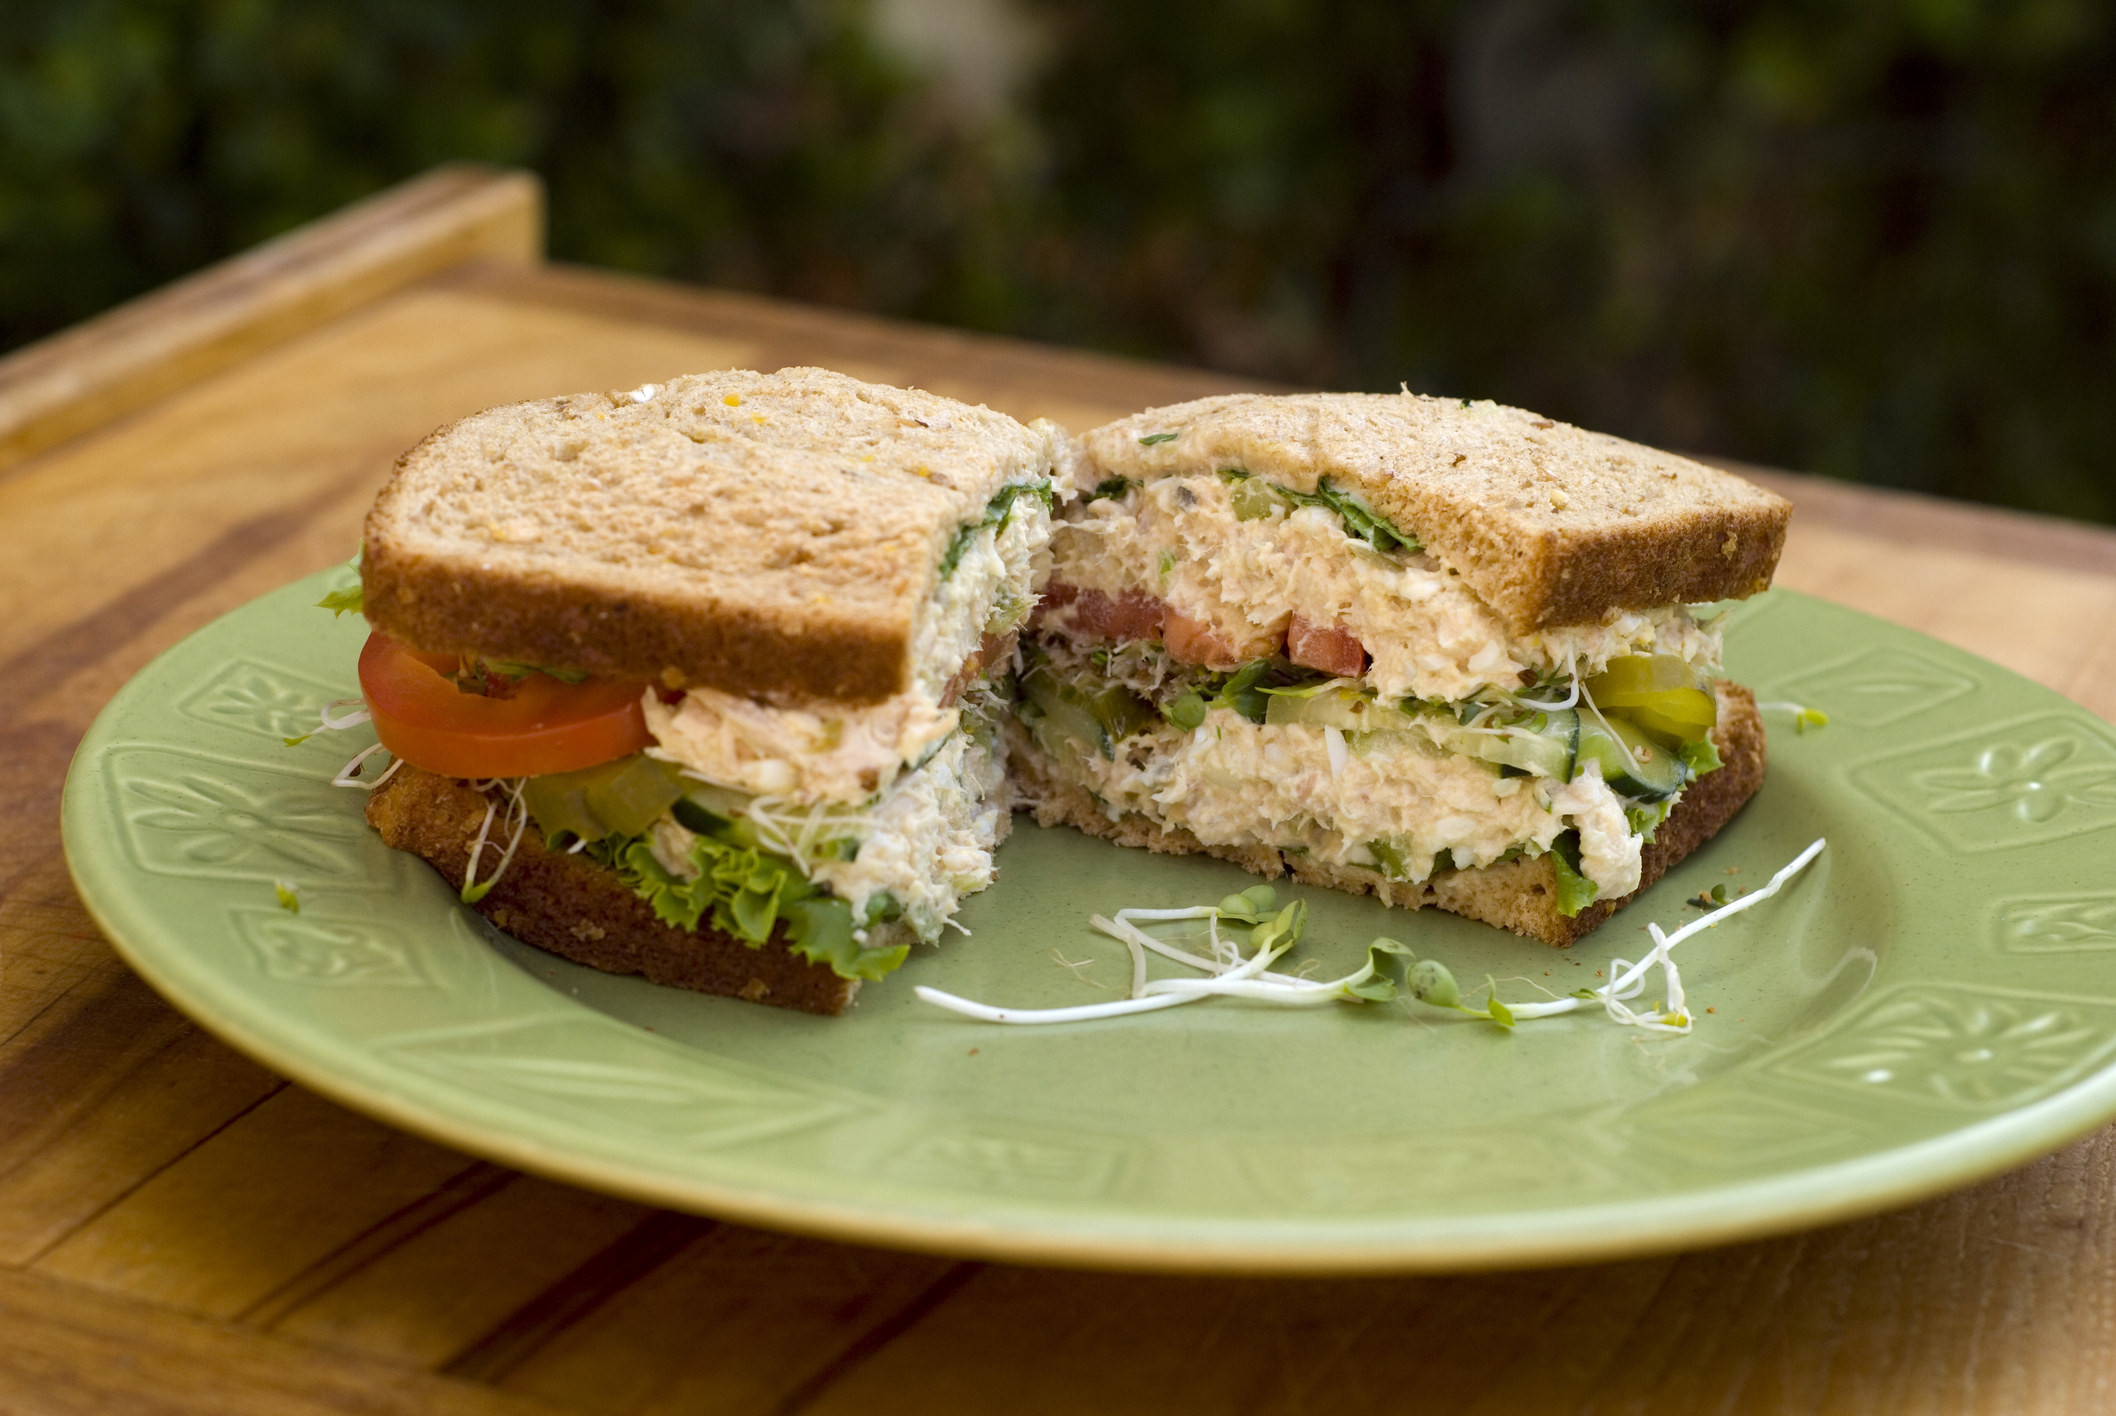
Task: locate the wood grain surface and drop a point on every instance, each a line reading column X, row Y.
column 180, row 1231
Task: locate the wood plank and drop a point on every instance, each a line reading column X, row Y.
column 1992, row 1300
column 97, row 1092
column 1906, row 519
column 1074, row 387
column 87, row 376
column 242, row 1215
column 48, row 945
column 424, row 1298
column 66, row 1351
column 2093, row 680
column 158, row 1110
column 2001, row 609
column 740, row 1321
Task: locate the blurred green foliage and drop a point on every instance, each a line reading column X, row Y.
column 1873, row 239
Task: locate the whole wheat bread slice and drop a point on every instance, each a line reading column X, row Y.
column 769, row 534
column 570, row 906
column 1549, row 524
column 1518, row 895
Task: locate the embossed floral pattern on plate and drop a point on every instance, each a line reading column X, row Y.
column 2005, row 786
column 1876, row 690
column 1961, row 1046
column 188, row 814
column 2057, row 924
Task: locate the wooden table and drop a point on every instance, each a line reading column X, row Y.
column 181, row 1231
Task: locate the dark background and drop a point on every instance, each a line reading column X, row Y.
column 1875, row 239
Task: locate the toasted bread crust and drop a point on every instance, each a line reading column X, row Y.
column 1549, row 524
column 572, row 907
column 444, row 606
column 1518, row 895
column 777, row 535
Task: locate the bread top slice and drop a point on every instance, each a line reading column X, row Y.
column 777, row 535
column 1549, row 524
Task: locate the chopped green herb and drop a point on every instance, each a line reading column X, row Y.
column 996, row 512
column 1361, row 522
column 1111, row 487
column 289, row 895
column 1167, row 563
column 1152, row 439
column 1711, row 899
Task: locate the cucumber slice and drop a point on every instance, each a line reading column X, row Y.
column 1544, row 746
column 1063, row 713
column 1348, row 709
column 1631, row 762
column 693, row 817
column 1120, row 711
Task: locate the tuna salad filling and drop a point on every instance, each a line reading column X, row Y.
column 1301, row 760
column 1225, row 568
column 845, row 830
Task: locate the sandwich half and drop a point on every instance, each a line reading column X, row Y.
column 698, row 681
column 1436, row 650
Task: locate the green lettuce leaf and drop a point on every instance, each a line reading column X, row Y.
column 1700, row 756
column 1575, row 891
column 352, row 597
column 750, row 893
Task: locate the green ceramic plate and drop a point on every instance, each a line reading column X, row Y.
column 1935, row 1000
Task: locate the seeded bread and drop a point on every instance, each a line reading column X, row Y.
column 770, row 534
column 1549, row 524
column 1518, row 895
column 570, row 906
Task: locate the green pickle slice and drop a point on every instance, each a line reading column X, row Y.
column 1634, row 678
column 1660, row 693
column 620, row 798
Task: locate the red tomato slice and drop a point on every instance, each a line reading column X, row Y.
column 1329, row 647
column 546, row 726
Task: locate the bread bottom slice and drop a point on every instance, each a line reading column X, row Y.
column 1520, row 895
column 570, row 906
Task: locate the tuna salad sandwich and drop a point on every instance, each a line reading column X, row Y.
column 697, row 681
column 1441, row 651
